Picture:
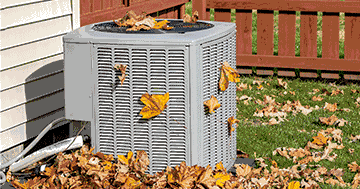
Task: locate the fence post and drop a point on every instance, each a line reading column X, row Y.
column 200, row 6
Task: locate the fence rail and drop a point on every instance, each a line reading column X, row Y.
column 286, row 61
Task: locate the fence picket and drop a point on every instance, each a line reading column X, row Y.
column 286, row 44
column 330, row 35
column 308, row 39
column 352, row 33
column 265, row 36
column 352, row 41
column 243, row 35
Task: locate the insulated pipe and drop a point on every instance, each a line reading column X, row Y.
column 32, row 144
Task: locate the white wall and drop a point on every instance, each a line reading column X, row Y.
column 31, row 69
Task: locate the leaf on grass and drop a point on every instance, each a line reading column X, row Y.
column 336, row 92
column 340, row 122
column 282, row 83
column 212, row 104
column 355, row 91
column 320, row 140
column 330, row 107
column 241, row 87
column 292, row 92
column 227, row 73
column 328, row 121
column 154, row 104
column 316, row 98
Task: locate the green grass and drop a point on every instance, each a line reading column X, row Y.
column 264, row 139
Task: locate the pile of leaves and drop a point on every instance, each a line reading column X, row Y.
column 143, row 22
column 84, row 169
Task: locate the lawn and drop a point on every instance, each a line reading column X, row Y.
column 259, row 139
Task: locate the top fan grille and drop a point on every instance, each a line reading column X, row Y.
column 179, row 27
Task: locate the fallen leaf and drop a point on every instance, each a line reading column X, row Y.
column 227, row 73
column 320, row 140
column 122, row 68
column 294, row 185
column 328, row 121
column 154, row 104
column 316, row 98
column 282, row 83
column 212, row 104
column 330, row 107
column 232, row 121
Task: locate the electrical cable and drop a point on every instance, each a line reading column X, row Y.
column 32, row 144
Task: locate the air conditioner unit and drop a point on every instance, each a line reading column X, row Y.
column 183, row 61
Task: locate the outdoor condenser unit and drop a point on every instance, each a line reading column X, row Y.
column 183, row 61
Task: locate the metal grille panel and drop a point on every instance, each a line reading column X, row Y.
column 218, row 146
column 121, row 129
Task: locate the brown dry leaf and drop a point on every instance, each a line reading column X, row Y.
column 336, row 92
column 351, row 150
column 241, row 87
column 206, row 178
column 212, row 104
column 142, row 161
column 282, row 83
column 224, row 80
column 242, row 169
column 122, row 68
column 258, row 82
column 340, row 122
column 330, row 107
column 355, row 91
column 354, row 167
column 292, row 92
column 193, row 19
column 316, row 98
column 354, row 138
column 325, row 92
column 328, row 121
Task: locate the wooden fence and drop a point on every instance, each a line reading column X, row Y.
column 92, row 11
column 286, row 61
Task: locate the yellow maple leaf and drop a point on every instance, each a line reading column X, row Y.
column 294, row 185
column 221, row 178
column 227, row 73
column 231, row 121
column 320, row 139
column 155, row 104
column 212, row 104
column 125, row 160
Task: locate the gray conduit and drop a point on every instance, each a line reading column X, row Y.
column 33, row 143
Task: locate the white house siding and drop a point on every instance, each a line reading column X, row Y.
column 31, row 69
